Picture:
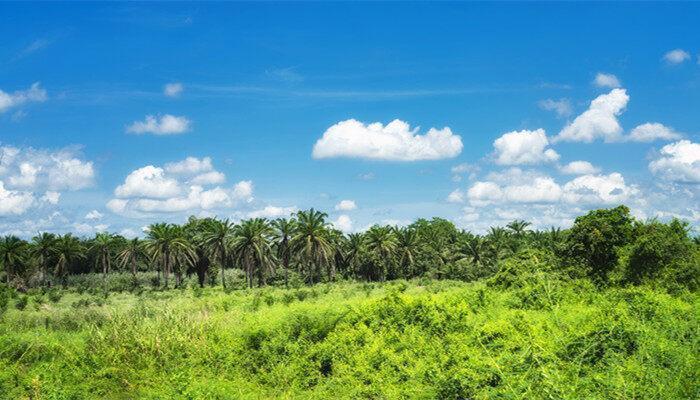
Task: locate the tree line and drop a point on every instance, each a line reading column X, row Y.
column 606, row 245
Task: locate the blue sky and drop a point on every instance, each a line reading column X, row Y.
column 113, row 116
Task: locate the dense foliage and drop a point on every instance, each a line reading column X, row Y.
column 606, row 309
column 608, row 246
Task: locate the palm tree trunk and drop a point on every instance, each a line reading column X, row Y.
column 133, row 266
column 223, row 266
column 166, row 271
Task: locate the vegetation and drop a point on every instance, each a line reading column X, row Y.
column 292, row 308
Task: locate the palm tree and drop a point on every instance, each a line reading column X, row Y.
column 43, row 248
column 518, row 227
column 477, row 248
column 382, row 244
column 311, row 242
column 13, row 252
column 217, row 237
column 163, row 239
column 102, row 246
column 406, row 248
column 498, row 241
column 68, row 249
column 130, row 254
column 193, row 231
column 252, row 247
column 284, row 229
column 353, row 249
column 183, row 257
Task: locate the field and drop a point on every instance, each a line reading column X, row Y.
column 423, row 339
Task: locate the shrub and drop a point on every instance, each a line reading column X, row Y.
column 22, row 302
column 595, row 238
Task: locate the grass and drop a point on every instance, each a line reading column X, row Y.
column 418, row 339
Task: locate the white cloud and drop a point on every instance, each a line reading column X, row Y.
column 129, row 233
column 394, row 142
column 678, row 162
column 197, row 198
column 562, row 106
column 27, row 176
column 456, row 196
column 519, row 187
column 599, row 121
column 172, row 89
column 579, row 168
column 272, row 212
column 148, row 181
column 676, row 56
column 51, row 197
column 598, row 189
column 209, row 178
column 71, row 173
column 35, row 94
column 117, row 206
column 29, row 168
column 13, row 202
column 93, row 215
column 650, row 132
column 345, row 205
column 178, row 187
column 469, row 214
column 523, row 147
column 606, row 80
column 541, row 190
column 484, row 193
column 160, row 125
column 367, row 176
column 344, row 223
column 243, row 190
column 190, row 166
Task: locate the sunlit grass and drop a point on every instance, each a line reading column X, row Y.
column 429, row 339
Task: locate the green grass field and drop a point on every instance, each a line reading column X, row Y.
column 418, row 339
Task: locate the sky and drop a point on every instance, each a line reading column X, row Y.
column 114, row 116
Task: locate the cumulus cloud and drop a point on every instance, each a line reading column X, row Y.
column 177, row 187
column 33, row 169
column 243, row 190
column 148, row 181
column 93, row 215
column 209, row 178
column 344, row 223
column 13, row 202
column 599, row 121
column 598, row 189
column 272, row 212
column 190, row 166
column 541, row 190
column 561, row 107
column 456, row 196
column 579, row 168
column 484, row 193
column 531, row 188
column 173, row 89
column 35, row 94
column 606, row 80
column 160, row 125
column 196, row 198
column 394, row 142
column 678, row 162
column 650, row 132
column 345, row 205
column 51, row 197
column 523, row 147
column 677, row 56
